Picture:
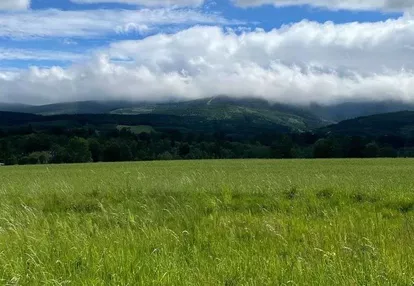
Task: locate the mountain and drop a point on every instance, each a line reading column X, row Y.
column 9, row 119
column 227, row 108
column 396, row 123
column 241, row 127
column 79, row 107
column 12, row 107
column 222, row 107
column 349, row 110
column 222, row 112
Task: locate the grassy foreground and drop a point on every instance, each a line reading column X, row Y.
column 241, row 222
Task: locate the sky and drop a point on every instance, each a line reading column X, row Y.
column 288, row 51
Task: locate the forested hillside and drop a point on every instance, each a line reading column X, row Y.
column 35, row 139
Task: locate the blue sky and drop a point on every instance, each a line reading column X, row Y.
column 267, row 17
column 45, row 44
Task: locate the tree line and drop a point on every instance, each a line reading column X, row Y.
column 86, row 144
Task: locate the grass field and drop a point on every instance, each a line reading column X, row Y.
column 246, row 222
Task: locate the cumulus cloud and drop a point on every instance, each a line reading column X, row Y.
column 302, row 63
column 14, row 4
column 385, row 5
column 355, row 47
column 148, row 3
column 96, row 23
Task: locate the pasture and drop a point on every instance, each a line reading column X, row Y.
column 229, row 222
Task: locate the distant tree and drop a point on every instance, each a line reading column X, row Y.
column 372, row 150
column 95, row 148
column 355, row 148
column 112, row 152
column 393, row 141
column 42, row 157
column 282, row 148
column 57, row 130
column 388, row 152
column 11, row 160
column 196, row 153
column 7, row 153
column 125, row 153
column 302, row 152
column 407, row 152
column 258, row 151
column 78, row 151
column 59, row 154
column 184, row 149
column 36, row 158
column 30, row 129
column 126, row 133
column 134, row 148
column 323, row 148
column 161, row 146
column 33, row 159
column 165, row 156
column 36, row 142
column 144, row 137
column 24, row 160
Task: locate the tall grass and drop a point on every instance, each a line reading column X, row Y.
column 241, row 222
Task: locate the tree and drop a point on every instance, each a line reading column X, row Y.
column 112, row 152
column 59, row 154
column 371, row 150
column 7, row 153
column 302, row 152
column 258, row 151
column 78, row 151
column 165, row 156
column 196, row 153
column 36, row 158
column 184, row 150
column 282, row 148
column 323, row 148
column 96, row 149
column 36, row 142
column 388, row 152
column 356, row 147
column 125, row 153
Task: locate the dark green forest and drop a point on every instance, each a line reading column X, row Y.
column 35, row 139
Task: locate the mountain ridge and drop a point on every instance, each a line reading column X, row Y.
column 222, row 110
column 399, row 123
column 256, row 112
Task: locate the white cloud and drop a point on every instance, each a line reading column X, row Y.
column 39, row 55
column 148, row 3
column 96, row 23
column 302, row 63
column 14, row 4
column 354, row 46
column 385, row 5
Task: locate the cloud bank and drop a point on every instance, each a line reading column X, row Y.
column 147, row 3
column 302, row 63
column 14, row 4
column 40, row 55
column 96, row 23
column 383, row 5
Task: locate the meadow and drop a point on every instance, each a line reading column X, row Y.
column 229, row 222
